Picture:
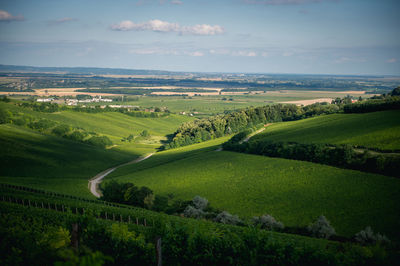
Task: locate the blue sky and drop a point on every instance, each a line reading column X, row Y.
column 262, row 36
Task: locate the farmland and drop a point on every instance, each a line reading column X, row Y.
column 48, row 147
column 294, row 192
column 378, row 130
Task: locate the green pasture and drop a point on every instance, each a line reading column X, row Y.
column 49, row 162
column 380, row 130
column 294, row 192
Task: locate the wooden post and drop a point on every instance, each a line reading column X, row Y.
column 159, row 253
column 137, row 221
column 83, row 211
column 106, row 216
column 144, row 221
column 35, row 204
column 42, row 205
column 75, row 236
column 29, row 203
column 129, row 219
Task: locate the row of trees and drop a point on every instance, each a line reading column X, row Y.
column 343, row 156
column 217, row 126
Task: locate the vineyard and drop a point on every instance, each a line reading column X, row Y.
column 41, row 214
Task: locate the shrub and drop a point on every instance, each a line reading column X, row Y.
column 268, row 222
column 200, row 203
column 227, row 218
column 101, row 141
column 367, row 236
column 321, row 228
column 61, row 130
column 192, row 212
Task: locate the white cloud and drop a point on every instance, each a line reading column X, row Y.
column 7, row 17
column 176, row 2
column 195, row 53
column 164, row 26
column 286, row 54
column 245, row 53
column 61, row 21
column 391, row 60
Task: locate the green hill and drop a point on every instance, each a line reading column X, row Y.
column 294, row 192
column 379, row 130
column 41, row 159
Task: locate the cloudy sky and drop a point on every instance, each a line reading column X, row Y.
column 262, row 36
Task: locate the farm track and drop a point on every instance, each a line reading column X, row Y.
column 96, row 180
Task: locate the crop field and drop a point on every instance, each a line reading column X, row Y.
column 294, row 192
column 46, row 162
column 215, row 104
column 379, row 130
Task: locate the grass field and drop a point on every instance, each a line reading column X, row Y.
column 380, row 130
column 45, row 161
column 294, row 192
column 214, row 104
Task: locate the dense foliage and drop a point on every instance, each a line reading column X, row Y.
column 379, row 104
column 344, row 156
column 217, row 126
column 46, row 236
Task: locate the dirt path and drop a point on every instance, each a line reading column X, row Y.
column 95, row 181
column 255, row 133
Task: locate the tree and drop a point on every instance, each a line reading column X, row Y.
column 321, row 228
column 61, row 130
column 145, row 133
column 268, row 222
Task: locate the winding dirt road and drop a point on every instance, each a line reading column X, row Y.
column 95, row 181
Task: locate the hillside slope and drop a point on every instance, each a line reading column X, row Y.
column 378, row 130
column 294, row 192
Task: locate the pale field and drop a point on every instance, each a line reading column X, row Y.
column 308, row 102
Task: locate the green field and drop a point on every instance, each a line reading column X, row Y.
column 294, row 192
column 214, row 104
column 49, row 162
column 380, row 130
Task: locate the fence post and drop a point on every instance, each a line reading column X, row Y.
column 145, row 222
column 74, row 236
column 106, row 216
column 159, row 253
column 129, row 219
column 42, row 205
column 137, row 221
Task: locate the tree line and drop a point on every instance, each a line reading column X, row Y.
column 217, row 126
column 342, row 155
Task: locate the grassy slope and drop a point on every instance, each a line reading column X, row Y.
column 57, row 164
column 294, row 192
column 53, row 163
column 376, row 130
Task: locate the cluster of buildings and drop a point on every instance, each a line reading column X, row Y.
column 92, row 100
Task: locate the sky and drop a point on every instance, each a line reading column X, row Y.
column 355, row 37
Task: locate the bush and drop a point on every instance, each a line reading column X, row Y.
column 227, row 218
column 200, row 203
column 321, row 228
column 367, row 236
column 61, row 130
column 192, row 212
column 101, row 141
column 268, row 222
